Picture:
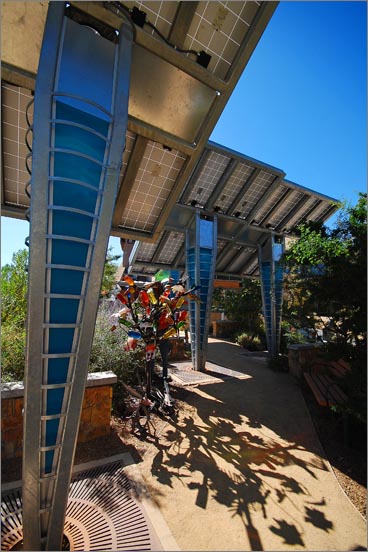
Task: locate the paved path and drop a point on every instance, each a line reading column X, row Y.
column 244, row 470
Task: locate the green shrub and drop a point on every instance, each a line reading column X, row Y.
column 13, row 343
column 290, row 336
column 250, row 342
column 279, row 363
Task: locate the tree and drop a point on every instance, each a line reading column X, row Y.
column 327, row 281
column 109, row 275
column 326, row 275
column 243, row 306
column 14, row 285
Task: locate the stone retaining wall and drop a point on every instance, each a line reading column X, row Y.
column 95, row 418
column 301, row 357
column 224, row 328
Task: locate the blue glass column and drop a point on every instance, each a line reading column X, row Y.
column 272, row 275
column 201, row 251
column 80, row 120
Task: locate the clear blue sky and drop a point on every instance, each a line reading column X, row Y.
column 300, row 104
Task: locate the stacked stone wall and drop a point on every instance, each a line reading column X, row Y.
column 94, row 422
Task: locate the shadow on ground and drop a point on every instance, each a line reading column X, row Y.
column 232, row 449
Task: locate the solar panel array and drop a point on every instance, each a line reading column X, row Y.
column 253, row 195
column 163, row 174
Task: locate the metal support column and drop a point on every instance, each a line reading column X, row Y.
column 201, row 250
column 271, row 272
column 80, row 120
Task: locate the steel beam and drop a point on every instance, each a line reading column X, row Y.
column 129, row 177
column 221, row 184
column 56, row 244
column 192, row 181
column 181, row 24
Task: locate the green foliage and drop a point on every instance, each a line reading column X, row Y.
column 326, row 285
column 13, row 344
column 14, row 285
column 326, row 276
column 108, row 279
column 243, row 306
column 290, row 336
column 108, row 353
column 250, row 341
column 218, row 299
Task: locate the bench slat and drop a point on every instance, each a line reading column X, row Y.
column 315, row 389
column 326, row 392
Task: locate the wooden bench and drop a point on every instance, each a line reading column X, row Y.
column 339, row 368
column 324, row 387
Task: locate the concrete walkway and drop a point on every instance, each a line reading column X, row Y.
column 242, row 468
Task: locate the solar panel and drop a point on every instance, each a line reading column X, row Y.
column 234, row 186
column 219, row 28
column 301, row 213
column 146, row 252
column 162, row 161
column 266, row 208
column 254, row 194
column 209, row 176
column 14, row 149
column 238, row 263
column 285, row 208
column 172, row 245
column 161, row 14
column 157, row 174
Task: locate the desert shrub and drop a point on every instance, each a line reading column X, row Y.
column 250, row 341
column 108, row 353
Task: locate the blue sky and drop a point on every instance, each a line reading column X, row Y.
column 300, row 104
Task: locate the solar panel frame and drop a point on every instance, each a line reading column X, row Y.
column 302, row 214
column 240, row 260
column 272, row 200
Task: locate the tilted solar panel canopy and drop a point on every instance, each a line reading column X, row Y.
column 251, row 201
column 187, row 58
column 168, row 167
